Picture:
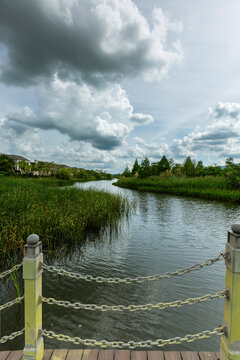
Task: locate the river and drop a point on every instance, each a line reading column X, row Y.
column 163, row 233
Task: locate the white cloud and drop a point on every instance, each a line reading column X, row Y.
column 220, row 138
column 90, row 40
column 102, row 117
column 141, row 119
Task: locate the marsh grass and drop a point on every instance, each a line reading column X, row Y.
column 59, row 215
column 208, row 187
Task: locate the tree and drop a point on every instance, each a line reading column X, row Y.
column 63, row 174
column 163, row 164
column 127, row 172
column 136, row 168
column 145, row 169
column 229, row 162
column 6, row 164
column 232, row 174
column 177, row 169
column 189, row 167
column 199, row 169
column 24, row 166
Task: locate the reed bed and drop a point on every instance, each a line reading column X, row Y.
column 57, row 214
column 208, row 187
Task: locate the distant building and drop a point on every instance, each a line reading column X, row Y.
column 17, row 159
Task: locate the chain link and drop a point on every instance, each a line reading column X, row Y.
column 8, row 272
column 139, row 279
column 159, row 306
column 12, row 336
column 132, row 344
column 11, row 303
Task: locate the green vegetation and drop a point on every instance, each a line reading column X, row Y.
column 211, row 188
column 189, row 179
column 47, row 169
column 57, row 214
column 6, row 164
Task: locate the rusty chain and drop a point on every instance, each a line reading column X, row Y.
column 159, row 306
column 12, row 336
column 132, row 344
column 8, row 272
column 139, row 279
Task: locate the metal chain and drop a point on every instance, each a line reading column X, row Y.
column 12, row 336
column 132, row 344
column 159, row 306
column 11, row 303
column 8, row 272
column 139, row 279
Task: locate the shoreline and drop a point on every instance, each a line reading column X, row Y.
column 162, row 186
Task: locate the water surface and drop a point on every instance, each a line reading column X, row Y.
column 164, row 233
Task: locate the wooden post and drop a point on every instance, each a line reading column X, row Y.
column 230, row 342
column 32, row 274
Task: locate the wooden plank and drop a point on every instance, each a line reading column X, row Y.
column 59, row 354
column 189, row 355
column 74, row 355
column 4, row 355
column 106, row 355
column 204, row 355
column 155, row 355
column 217, row 355
column 90, row 354
column 47, row 354
column 172, row 355
column 138, row 355
column 122, row 355
column 15, row 355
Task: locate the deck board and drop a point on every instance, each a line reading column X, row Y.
column 122, row 355
column 95, row 354
column 74, row 355
column 172, row 355
column 47, row 354
column 190, row 355
column 138, row 355
column 59, row 354
column 207, row 355
column 4, row 355
column 15, row 355
column 155, row 355
column 106, row 355
column 90, row 354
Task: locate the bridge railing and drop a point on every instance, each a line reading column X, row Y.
column 33, row 267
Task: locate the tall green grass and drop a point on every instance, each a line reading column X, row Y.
column 208, row 187
column 57, row 214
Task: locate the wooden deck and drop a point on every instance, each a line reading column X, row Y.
column 62, row 354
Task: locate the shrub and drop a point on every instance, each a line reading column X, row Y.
column 63, row 174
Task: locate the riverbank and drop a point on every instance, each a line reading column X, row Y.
column 55, row 211
column 209, row 187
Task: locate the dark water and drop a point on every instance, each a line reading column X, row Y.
column 164, row 233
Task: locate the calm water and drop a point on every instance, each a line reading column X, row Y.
column 164, row 233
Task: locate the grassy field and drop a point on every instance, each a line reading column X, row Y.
column 56, row 213
column 208, row 187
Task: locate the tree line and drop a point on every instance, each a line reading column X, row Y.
column 47, row 169
column 189, row 168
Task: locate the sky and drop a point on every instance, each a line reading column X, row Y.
column 98, row 83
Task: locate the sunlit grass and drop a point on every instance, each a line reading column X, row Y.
column 56, row 214
column 208, row 187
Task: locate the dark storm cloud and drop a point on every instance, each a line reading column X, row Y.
column 85, row 39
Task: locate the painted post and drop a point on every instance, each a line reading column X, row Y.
column 230, row 342
column 32, row 274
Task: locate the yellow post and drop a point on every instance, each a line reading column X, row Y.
column 230, row 342
column 32, row 274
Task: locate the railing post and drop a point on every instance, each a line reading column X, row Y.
column 32, row 274
column 230, row 342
